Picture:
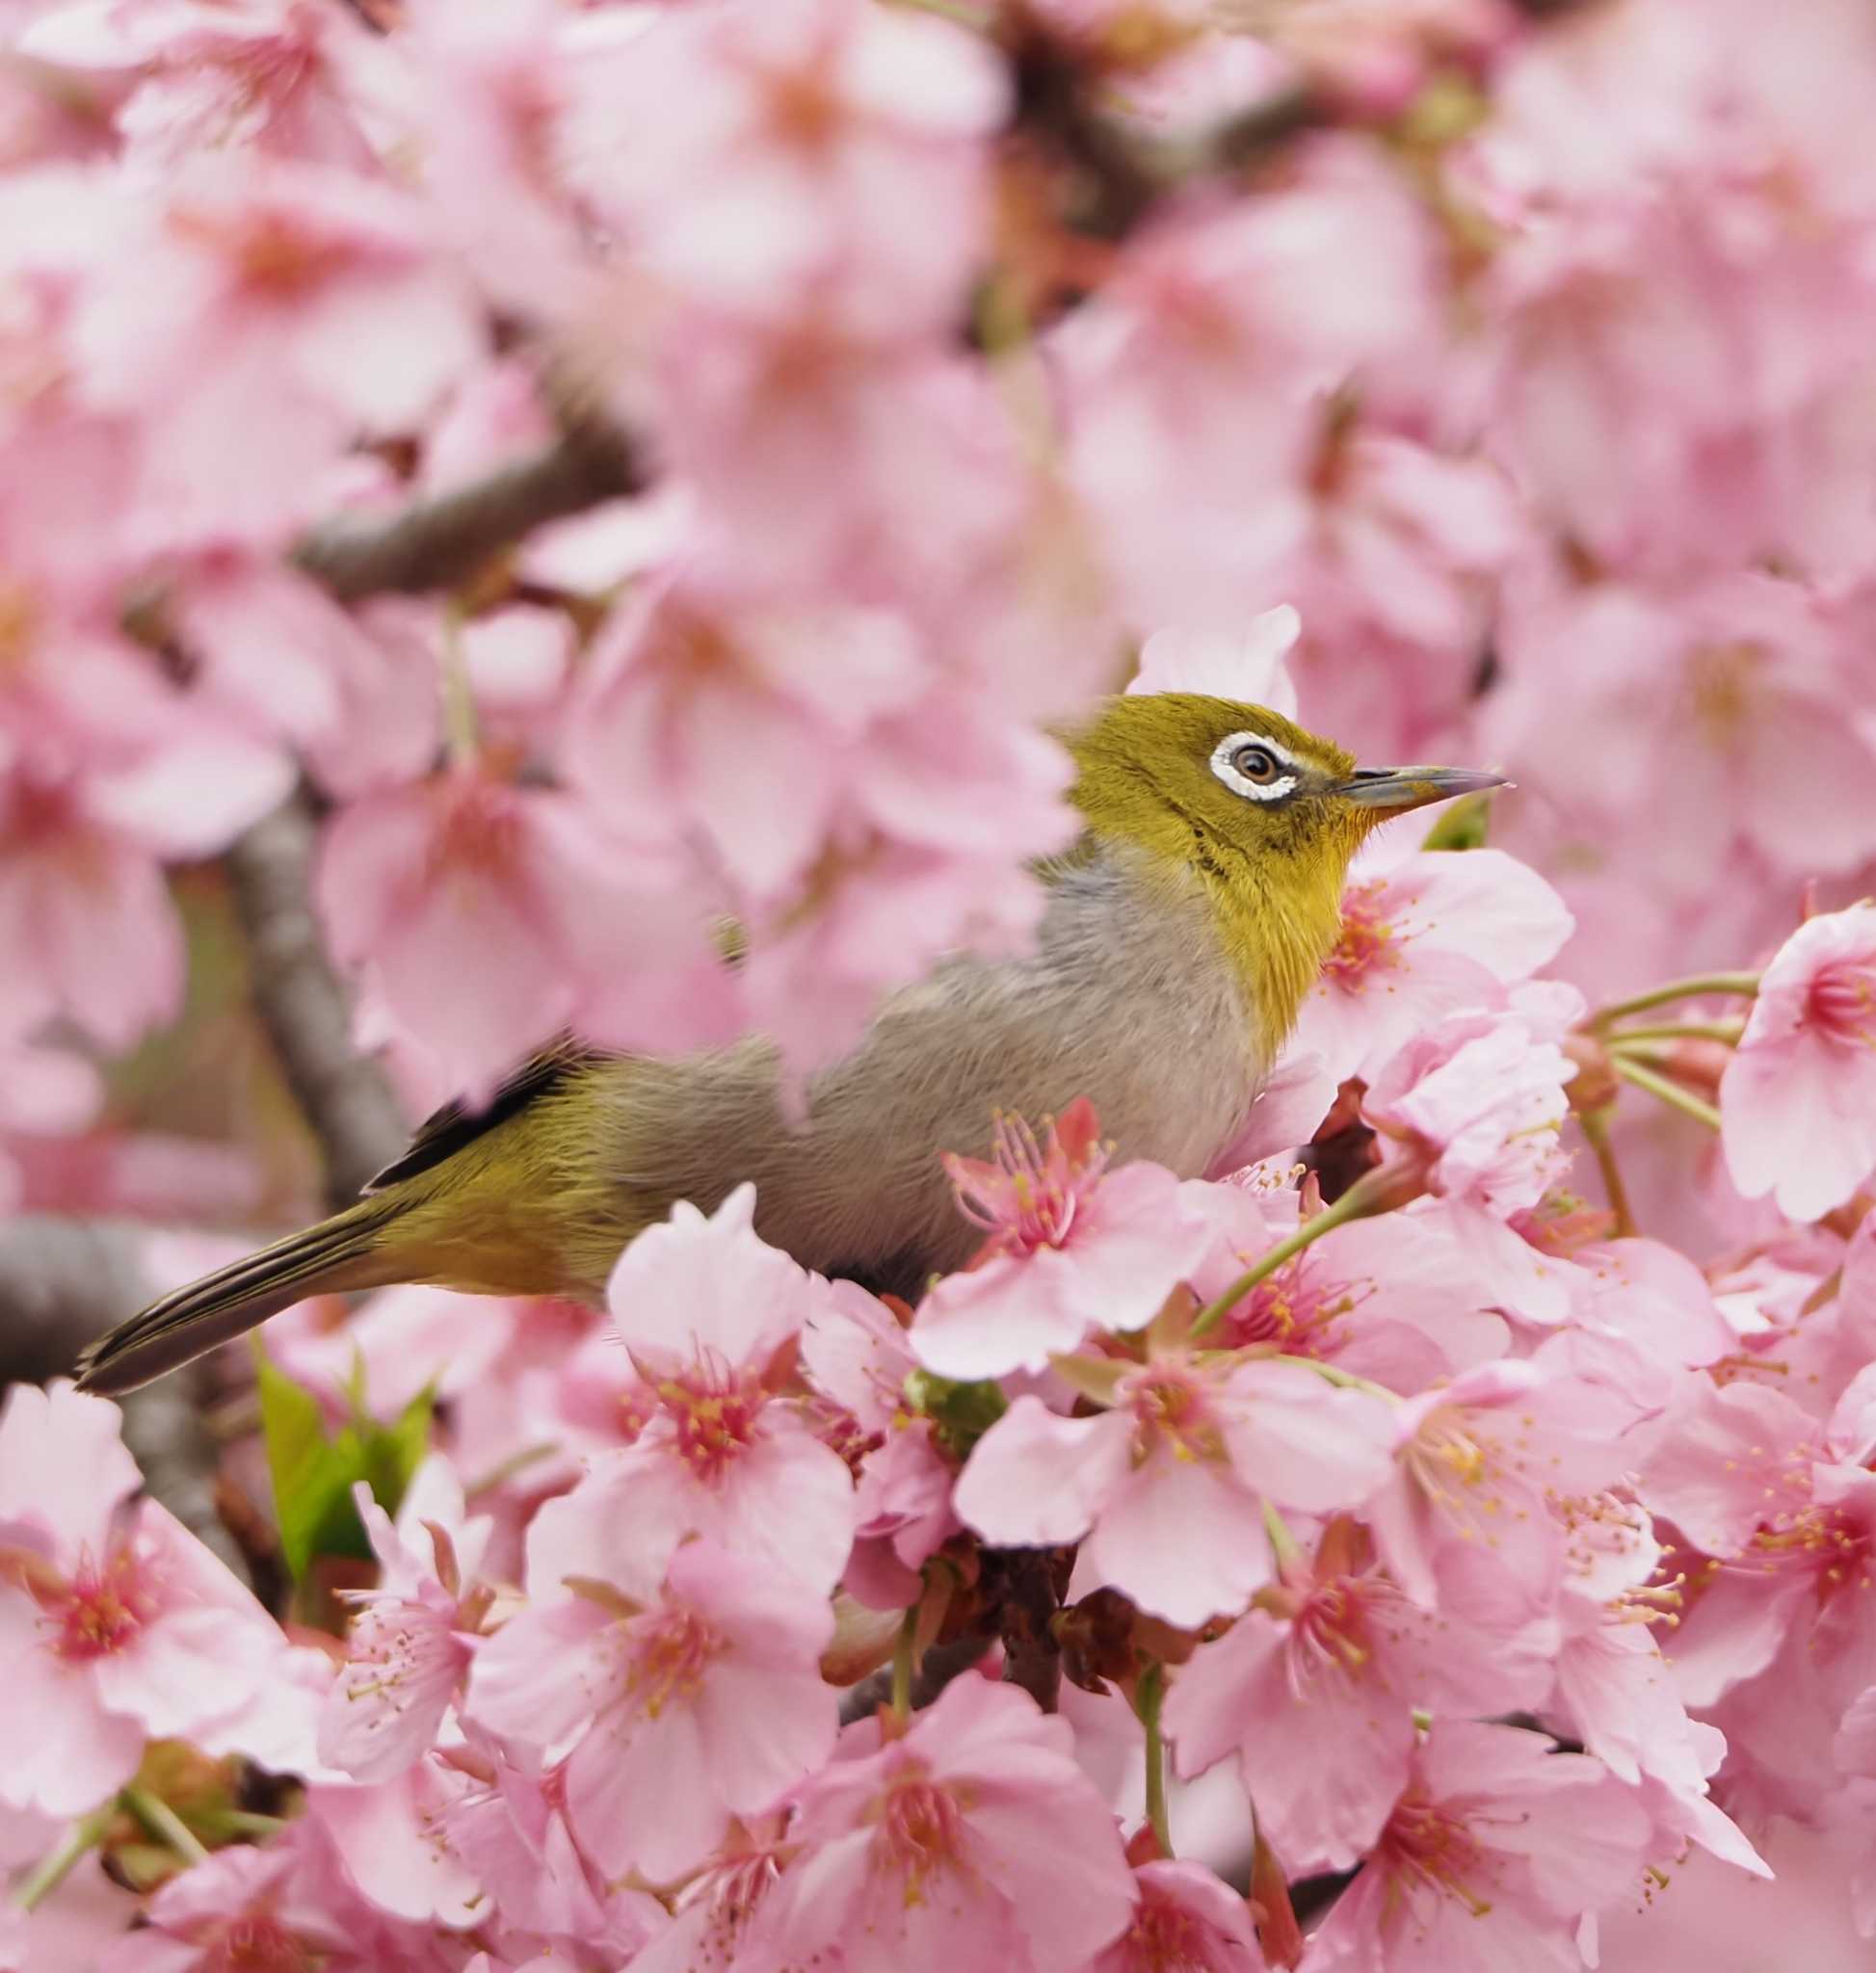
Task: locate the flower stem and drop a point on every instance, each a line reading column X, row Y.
column 1745, row 985
column 163, row 1823
column 246, row 1822
column 460, row 734
column 82, row 1838
column 1344, row 1380
column 1670, row 1092
column 902, row 1666
column 1148, row 1695
column 1283, row 1543
column 1595, row 1127
column 1728, row 1032
column 1354, row 1204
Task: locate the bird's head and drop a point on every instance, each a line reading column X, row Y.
column 1262, row 812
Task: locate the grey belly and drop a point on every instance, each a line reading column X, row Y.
column 1134, row 1009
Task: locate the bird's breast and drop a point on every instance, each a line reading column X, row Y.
column 1128, row 1000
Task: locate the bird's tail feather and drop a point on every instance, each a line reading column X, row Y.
column 347, row 1251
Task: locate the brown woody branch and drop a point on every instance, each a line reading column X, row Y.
column 438, row 544
column 304, row 1007
column 1121, row 173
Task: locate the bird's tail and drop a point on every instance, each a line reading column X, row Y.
column 348, row 1250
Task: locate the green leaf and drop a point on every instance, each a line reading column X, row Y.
column 1464, row 824
column 394, row 1452
column 299, row 1461
column 313, row 1474
column 961, row 1413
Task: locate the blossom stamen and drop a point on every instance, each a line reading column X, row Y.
column 100, row 1610
column 1367, row 943
column 715, row 1410
column 1842, row 1003
column 921, row 1832
column 1028, row 1194
column 668, row 1655
column 1426, row 1845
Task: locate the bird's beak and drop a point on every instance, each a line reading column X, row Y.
column 1394, row 790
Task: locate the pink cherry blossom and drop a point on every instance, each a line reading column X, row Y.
column 1183, row 1917
column 808, row 132
column 719, row 1909
column 1484, row 1459
column 1177, row 461
column 1316, row 1689
column 732, row 721
column 392, row 1836
column 1248, row 666
column 83, row 907
column 1424, row 935
column 523, row 886
column 726, row 1455
column 596, row 1398
column 1688, row 268
column 120, row 1626
column 932, row 491
column 1394, row 1298
column 1796, row 1098
column 43, row 1092
column 1778, row 1639
column 1484, row 382
column 273, row 73
column 1691, row 708
column 974, row 1840
column 282, row 654
column 1476, row 1103
column 275, row 1907
column 1168, row 1483
column 513, row 1833
column 487, row 92
column 1070, row 1246
column 1493, row 1853
column 409, row 1648
column 1616, row 1687
column 1721, row 1463
column 1653, row 1297
column 1390, row 551
column 245, row 301
column 858, row 1357
column 652, row 1686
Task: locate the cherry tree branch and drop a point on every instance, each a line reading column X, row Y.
column 939, row 1666
column 62, row 1282
column 303, row 1005
column 437, row 544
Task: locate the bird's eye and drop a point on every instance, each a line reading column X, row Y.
column 1258, row 764
column 1254, row 766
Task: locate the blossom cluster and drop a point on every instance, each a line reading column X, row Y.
column 1494, row 404
column 1469, row 1483
column 1378, row 1511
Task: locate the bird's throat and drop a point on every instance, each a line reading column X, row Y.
column 1275, row 945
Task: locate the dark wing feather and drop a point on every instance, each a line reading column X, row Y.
column 445, row 1131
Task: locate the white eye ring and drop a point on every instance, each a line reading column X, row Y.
column 1223, row 764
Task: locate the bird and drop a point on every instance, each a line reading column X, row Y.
column 1181, row 932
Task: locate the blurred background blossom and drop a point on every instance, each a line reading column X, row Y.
column 492, row 491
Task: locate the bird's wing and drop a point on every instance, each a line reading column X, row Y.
column 445, row 1131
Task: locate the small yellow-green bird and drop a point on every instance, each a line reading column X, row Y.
column 1179, row 937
